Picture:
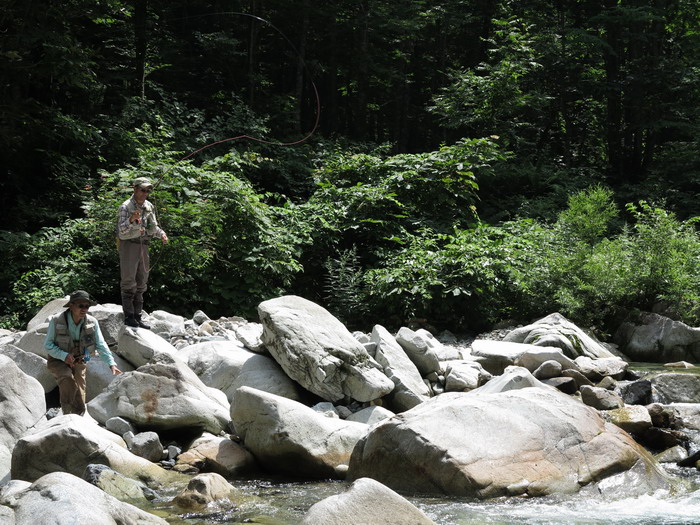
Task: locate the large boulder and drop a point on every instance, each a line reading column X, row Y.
column 31, row 364
column 70, row 443
column 111, row 319
column 676, row 387
column 463, row 375
column 99, row 375
column 219, row 454
column 495, row 356
column 47, row 311
column 22, row 406
column 317, row 351
column 61, row 498
column 288, row 437
column 409, row 388
column 228, row 365
column 366, row 501
column 556, row 330
column 532, row 441
column 140, row 347
column 33, row 340
column 653, row 338
column 163, row 395
column 420, row 349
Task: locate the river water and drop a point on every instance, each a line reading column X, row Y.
column 284, row 502
column 277, row 501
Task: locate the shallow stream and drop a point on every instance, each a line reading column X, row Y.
column 277, row 501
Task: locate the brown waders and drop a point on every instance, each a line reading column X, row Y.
column 71, row 381
column 134, row 265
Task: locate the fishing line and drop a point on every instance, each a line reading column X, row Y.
column 245, row 136
column 250, row 137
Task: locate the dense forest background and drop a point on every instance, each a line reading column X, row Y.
column 462, row 162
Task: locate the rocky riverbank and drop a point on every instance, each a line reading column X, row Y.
column 534, row 410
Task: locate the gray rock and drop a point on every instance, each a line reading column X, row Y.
column 163, row 395
column 119, row 426
column 31, row 364
column 600, row 398
column 60, row 498
column 210, row 453
column 326, row 409
column 672, row 455
column 513, row 378
column 409, row 389
column 317, row 350
column 536, row 356
column 147, row 445
column 463, row 375
column 228, row 365
column 200, row 317
column 204, row 489
column 578, row 377
column 99, row 375
column 365, row 501
column 548, row 370
column 653, row 338
column 676, row 387
column 443, row 352
column 71, row 443
column 290, row 438
column 118, row 485
column 567, row 385
column 371, row 415
column 637, row 392
column 547, row 443
column 496, row 356
column 166, row 324
column 634, row 419
column 250, row 334
column 111, row 319
column 597, row 369
column 139, row 346
column 47, row 311
column 420, row 350
column 555, row 330
column 10, row 491
column 22, row 406
column 33, row 340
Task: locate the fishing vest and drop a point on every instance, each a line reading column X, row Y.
column 63, row 339
column 148, row 221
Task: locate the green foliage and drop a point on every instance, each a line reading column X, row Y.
column 467, row 279
column 588, row 215
column 345, row 291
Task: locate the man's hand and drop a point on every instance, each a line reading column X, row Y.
column 69, row 360
column 115, row 370
column 165, row 238
column 135, row 217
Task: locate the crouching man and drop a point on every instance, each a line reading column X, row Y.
column 72, row 337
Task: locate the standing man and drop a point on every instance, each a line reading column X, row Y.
column 72, row 337
column 136, row 226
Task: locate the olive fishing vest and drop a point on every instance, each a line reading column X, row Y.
column 64, row 341
column 148, row 220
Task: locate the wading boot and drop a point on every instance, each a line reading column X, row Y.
column 140, row 322
column 130, row 320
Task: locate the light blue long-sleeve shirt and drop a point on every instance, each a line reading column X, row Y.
column 74, row 330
